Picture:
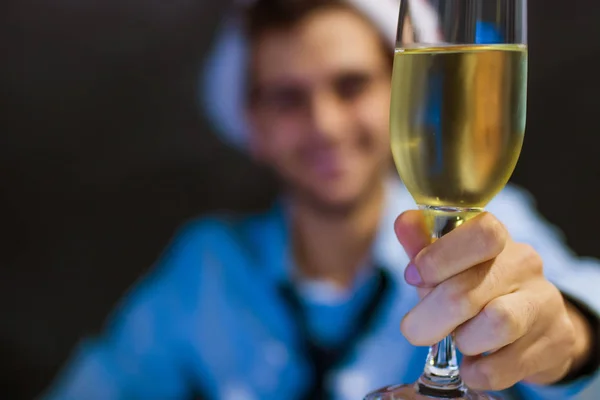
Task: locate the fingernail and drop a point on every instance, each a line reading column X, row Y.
column 412, row 275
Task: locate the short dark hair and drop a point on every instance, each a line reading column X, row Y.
column 266, row 15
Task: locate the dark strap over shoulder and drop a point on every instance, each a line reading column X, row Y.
column 324, row 359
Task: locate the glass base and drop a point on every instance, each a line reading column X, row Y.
column 419, row 391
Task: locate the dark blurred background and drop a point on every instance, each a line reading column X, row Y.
column 103, row 154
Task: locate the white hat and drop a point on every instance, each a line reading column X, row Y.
column 223, row 80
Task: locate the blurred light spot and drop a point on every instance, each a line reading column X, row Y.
column 234, row 391
column 349, row 383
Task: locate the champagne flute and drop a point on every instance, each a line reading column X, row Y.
column 457, row 125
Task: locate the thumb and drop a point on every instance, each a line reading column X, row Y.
column 412, row 233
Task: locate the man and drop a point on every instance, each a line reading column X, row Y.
column 304, row 301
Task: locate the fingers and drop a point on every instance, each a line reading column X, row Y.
column 412, row 232
column 542, row 351
column 503, row 321
column 462, row 297
column 448, row 306
column 479, row 240
column 564, row 332
column 493, row 294
column 523, row 359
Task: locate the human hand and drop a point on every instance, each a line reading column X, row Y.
column 491, row 291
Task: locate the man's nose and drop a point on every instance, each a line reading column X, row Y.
column 329, row 116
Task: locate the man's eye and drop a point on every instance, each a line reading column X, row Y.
column 351, row 86
column 284, row 99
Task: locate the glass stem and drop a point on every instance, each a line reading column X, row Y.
column 441, row 371
column 441, row 368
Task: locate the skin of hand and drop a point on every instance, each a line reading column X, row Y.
column 510, row 323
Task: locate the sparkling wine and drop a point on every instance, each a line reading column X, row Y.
column 458, row 121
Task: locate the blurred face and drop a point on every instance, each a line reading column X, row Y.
column 319, row 112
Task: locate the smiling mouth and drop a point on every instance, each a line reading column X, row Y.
column 327, row 163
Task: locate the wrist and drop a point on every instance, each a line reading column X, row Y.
column 586, row 351
column 583, row 338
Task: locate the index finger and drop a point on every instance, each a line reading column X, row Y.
column 478, row 240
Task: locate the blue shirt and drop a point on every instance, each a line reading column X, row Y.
column 209, row 317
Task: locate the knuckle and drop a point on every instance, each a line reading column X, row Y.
column 551, row 295
column 568, row 337
column 545, row 342
column 550, row 305
column 503, row 321
column 465, row 342
column 491, row 235
column 462, row 304
column 531, row 259
column 536, row 364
